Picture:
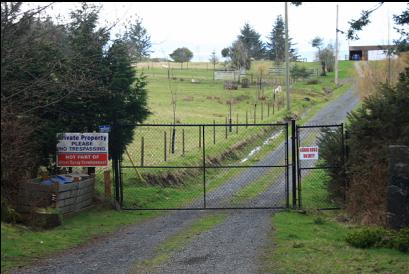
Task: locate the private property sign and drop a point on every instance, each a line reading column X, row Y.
column 82, row 149
column 308, row 153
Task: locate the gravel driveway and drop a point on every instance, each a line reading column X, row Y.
column 230, row 247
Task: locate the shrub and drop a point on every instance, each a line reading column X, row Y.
column 379, row 237
column 401, row 240
column 319, row 220
column 366, row 238
column 313, row 82
column 330, row 146
column 299, row 72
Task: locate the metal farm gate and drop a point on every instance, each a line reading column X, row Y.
column 315, row 142
column 205, row 166
column 219, row 166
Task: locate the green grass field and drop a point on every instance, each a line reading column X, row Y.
column 209, row 100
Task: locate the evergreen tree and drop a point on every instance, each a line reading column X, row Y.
column 126, row 103
column 251, row 41
column 138, row 41
column 276, row 44
column 86, row 57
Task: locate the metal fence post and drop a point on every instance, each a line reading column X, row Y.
column 287, row 179
column 115, row 175
column 299, row 170
column 204, row 167
column 343, row 160
column 293, row 162
column 115, row 163
column 121, row 188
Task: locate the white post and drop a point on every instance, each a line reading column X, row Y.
column 336, row 52
column 287, row 69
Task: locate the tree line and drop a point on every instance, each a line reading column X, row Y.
column 64, row 78
column 248, row 46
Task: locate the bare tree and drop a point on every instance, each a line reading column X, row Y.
column 214, row 60
column 327, row 59
column 173, row 93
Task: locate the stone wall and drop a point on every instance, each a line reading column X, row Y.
column 398, row 187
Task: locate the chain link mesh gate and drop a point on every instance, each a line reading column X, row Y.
column 206, row 166
column 314, row 189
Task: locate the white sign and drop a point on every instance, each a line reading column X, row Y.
column 308, row 153
column 82, row 149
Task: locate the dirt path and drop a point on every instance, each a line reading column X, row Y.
column 232, row 246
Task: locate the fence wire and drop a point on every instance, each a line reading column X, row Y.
column 206, row 166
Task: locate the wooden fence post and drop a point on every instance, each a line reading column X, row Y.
column 214, row 132
column 255, row 107
column 225, row 126
column 142, row 150
column 237, row 123
column 200, row 138
column 183, row 142
column 164, row 145
column 108, row 184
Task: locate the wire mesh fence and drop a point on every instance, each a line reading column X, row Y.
column 206, row 166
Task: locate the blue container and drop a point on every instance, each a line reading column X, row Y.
column 60, row 179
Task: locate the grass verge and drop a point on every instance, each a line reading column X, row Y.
column 315, row 242
column 21, row 246
column 303, row 244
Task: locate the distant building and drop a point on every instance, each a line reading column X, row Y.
column 361, row 52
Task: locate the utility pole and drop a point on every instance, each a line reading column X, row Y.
column 389, row 53
column 336, row 52
column 287, row 69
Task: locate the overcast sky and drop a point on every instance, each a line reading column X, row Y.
column 207, row 26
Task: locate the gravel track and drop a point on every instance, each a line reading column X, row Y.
column 230, row 247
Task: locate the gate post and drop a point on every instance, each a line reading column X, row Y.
column 116, row 166
column 293, row 162
column 343, row 160
column 115, row 175
column 287, row 169
column 204, row 166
